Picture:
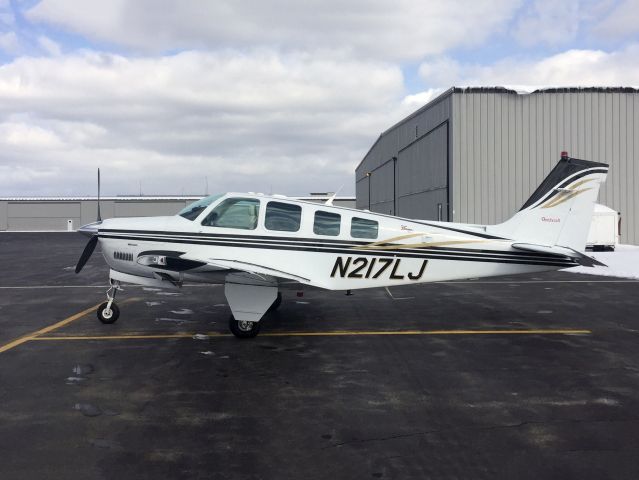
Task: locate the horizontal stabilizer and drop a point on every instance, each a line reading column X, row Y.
column 579, row 257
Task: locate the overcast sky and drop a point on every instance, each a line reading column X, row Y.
column 281, row 96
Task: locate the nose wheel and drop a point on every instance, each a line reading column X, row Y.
column 109, row 312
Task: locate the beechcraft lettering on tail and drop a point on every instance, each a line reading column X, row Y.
column 252, row 243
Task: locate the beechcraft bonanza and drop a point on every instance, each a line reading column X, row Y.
column 253, row 242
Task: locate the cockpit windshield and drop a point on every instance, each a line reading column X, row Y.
column 192, row 211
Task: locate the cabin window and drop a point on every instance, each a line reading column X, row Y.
column 363, row 228
column 283, row 217
column 239, row 213
column 326, row 223
column 192, row 211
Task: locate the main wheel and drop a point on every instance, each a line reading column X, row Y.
column 243, row 329
column 108, row 315
column 276, row 303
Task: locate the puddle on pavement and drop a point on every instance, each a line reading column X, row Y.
column 151, row 289
column 177, row 321
column 169, row 294
column 200, row 336
column 87, row 409
column 83, row 369
column 104, row 443
column 80, row 370
column 182, row 311
column 153, row 304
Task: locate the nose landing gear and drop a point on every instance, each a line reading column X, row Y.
column 109, row 312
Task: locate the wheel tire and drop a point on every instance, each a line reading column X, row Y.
column 242, row 329
column 276, row 303
column 106, row 316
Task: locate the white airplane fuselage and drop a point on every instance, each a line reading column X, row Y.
column 253, row 242
column 403, row 252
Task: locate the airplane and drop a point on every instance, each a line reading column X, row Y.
column 252, row 242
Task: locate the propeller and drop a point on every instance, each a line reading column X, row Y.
column 92, row 230
column 86, row 254
column 99, row 216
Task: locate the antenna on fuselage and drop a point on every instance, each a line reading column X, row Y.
column 99, row 216
column 330, row 200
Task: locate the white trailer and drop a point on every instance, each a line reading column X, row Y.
column 604, row 229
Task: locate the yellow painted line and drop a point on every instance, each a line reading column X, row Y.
column 335, row 333
column 127, row 336
column 48, row 329
column 51, row 328
column 430, row 332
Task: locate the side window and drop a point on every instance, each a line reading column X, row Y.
column 283, row 217
column 326, row 223
column 363, row 228
column 234, row 213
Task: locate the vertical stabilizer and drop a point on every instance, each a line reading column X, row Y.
column 559, row 212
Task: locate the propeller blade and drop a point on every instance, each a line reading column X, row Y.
column 86, row 254
column 99, row 216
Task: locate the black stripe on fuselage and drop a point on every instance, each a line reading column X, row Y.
column 426, row 252
column 162, row 235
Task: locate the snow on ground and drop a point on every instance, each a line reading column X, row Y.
column 622, row 262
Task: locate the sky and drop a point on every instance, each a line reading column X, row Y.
column 274, row 96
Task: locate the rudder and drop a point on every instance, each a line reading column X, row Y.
column 559, row 212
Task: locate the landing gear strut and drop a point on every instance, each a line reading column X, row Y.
column 109, row 312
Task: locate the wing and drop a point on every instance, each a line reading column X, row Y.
column 174, row 261
column 254, row 269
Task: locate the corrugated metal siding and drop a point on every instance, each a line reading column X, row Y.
column 422, row 134
column 3, row 215
column 422, row 175
column 504, row 144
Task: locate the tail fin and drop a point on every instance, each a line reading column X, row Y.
column 559, row 212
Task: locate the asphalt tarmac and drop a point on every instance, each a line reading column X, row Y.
column 531, row 377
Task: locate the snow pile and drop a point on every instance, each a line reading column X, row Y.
column 622, row 262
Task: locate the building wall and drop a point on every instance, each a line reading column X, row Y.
column 504, row 144
column 407, row 169
column 53, row 214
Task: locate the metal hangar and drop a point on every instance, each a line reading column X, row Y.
column 475, row 154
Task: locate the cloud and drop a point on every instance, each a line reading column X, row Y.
column 405, row 29
column 570, row 68
column 49, row 46
column 621, row 22
column 9, row 42
column 548, row 21
column 256, row 120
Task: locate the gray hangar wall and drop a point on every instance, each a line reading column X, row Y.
column 407, row 170
column 501, row 144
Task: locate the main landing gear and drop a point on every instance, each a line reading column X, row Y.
column 247, row 329
column 109, row 312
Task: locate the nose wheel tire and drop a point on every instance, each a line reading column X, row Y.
column 108, row 315
column 243, row 329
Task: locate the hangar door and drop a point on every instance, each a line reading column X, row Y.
column 422, row 176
